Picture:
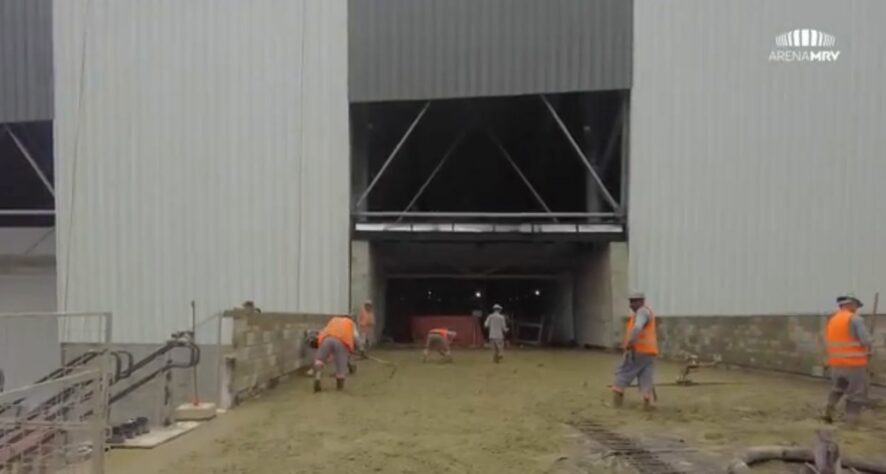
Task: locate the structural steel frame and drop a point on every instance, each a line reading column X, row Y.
column 616, row 214
column 26, row 155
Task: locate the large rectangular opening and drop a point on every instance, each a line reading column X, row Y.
column 555, row 158
column 554, row 293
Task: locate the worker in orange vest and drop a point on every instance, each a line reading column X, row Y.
column 848, row 344
column 640, row 350
column 366, row 319
column 339, row 339
column 439, row 339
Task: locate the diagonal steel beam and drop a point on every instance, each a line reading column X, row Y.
column 27, row 155
column 609, row 151
column 584, row 159
column 393, row 153
column 424, row 186
column 529, row 185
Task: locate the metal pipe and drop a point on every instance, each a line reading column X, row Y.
column 502, row 215
column 529, row 185
column 424, row 186
column 27, row 212
column 30, row 160
column 393, row 153
column 584, row 159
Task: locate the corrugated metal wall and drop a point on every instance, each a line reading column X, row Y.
column 25, row 60
column 431, row 49
column 206, row 158
column 756, row 187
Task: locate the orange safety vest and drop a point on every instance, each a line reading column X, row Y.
column 341, row 328
column 647, row 341
column 367, row 318
column 843, row 349
column 441, row 332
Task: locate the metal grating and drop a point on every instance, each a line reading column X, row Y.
column 644, row 460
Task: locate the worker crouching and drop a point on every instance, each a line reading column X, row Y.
column 848, row 345
column 338, row 340
column 640, row 351
column 439, row 339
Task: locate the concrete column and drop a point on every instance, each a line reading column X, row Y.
column 601, row 295
column 362, row 274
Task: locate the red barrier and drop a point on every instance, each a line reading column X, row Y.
column 467, row 327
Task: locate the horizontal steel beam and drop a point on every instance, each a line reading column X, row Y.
column 469, row 276
column 27, row 212
column 491, row 215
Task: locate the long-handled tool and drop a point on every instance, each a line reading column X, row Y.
column 392, row 365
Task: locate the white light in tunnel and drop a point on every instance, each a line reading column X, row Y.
column 477, row 294
column 537, row 292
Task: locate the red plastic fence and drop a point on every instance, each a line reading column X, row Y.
column 467, row 327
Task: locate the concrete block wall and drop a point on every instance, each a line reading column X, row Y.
column 783, row 343
column 265, row 347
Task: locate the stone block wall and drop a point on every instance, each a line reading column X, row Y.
column 783, row 343
column 265, row 347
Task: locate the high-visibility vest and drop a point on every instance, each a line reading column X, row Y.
column 843, row 349
column 647, row 341
column 367, row 318
column 441, row 332
column 341, row 328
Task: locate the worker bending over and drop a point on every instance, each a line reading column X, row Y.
column 366, row 320
column 439, row 339
column 339, row 339
column 848, row 346
column 498, row 326
column 640, row 351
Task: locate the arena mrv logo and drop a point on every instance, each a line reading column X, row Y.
column 804, row 45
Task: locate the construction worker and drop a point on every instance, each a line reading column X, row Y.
column 497, row 326
column 848, row 345
column 640, row 351
column 439, row 339
column 339, row 339
column 366, row 319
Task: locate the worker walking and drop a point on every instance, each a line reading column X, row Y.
column 440, row 340
column 366, row 319
column 640, row 351
column 339, row 339
column 497, row 326
column 848, row 345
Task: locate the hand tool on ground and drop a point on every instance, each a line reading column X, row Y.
column 392, row 365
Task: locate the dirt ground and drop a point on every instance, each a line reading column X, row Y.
column 473, row 416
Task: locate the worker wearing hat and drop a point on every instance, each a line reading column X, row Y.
column 640, row 351
column 497, row 326
column 848, row 345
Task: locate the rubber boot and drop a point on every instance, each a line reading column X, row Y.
column 339, row 384
column 352, row 368
column 618, row 399
column 647, row 404
column 317, row 387
column 828, row 416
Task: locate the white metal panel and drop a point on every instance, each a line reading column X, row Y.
column 202, row 153
column 756, row 187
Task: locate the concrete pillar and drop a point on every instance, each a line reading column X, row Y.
column 601, row 295
column 362, row 274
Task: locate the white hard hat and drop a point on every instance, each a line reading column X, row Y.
column 637, row 295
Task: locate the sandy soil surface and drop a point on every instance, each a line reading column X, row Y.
column 474, row 416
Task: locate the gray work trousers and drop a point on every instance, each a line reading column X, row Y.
column 851, row 382
column 636, row 366
column 332, row 346
column 498, row 345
